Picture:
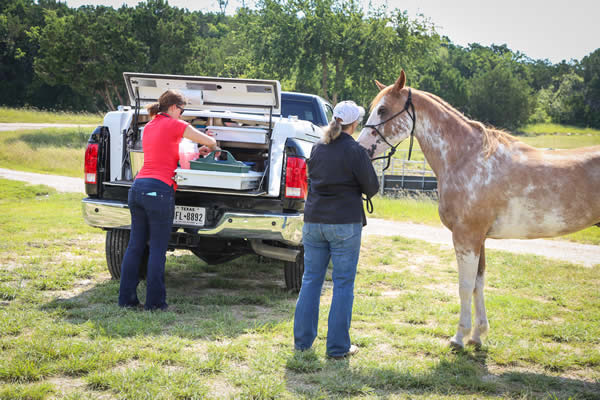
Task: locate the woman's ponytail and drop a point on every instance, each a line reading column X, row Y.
column 332, row 131
column 166, row 100
column 153, row 109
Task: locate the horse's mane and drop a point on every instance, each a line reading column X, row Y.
column 492, row 137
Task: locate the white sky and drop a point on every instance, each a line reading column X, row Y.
column 541, row 29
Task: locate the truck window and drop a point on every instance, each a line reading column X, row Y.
column 328, row 111
column 301, row 109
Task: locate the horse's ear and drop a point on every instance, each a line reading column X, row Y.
column 380, row 85
column 400, row 82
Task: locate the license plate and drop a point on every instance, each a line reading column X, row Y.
column 193, row 216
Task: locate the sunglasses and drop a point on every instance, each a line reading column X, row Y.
column 180, row 109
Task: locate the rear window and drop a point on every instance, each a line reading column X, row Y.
column 301, row 109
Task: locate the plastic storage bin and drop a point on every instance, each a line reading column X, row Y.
column 221, row 174
column 228, row 165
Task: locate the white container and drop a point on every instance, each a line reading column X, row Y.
column 216, row 179
column 242, row 135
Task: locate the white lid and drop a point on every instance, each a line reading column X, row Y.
column 207, row 93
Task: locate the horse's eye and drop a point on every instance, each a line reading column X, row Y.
column 381, row 111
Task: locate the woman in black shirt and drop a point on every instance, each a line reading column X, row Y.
column 340, row 172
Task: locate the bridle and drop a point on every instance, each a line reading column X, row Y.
column 413, row 116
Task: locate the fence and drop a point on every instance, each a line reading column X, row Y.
column 405, row 176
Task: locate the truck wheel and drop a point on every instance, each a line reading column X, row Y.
column 116, row 244
column 293, row 272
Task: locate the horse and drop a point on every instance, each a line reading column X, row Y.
column 490, row 184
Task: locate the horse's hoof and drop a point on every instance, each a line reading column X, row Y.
column 475, row 344
column 455, row 346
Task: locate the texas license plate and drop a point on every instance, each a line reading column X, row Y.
column 193, row 216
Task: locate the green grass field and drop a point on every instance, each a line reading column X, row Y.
column 57, row 151
column 8, row 114
column 229, row 336
column 556, row 129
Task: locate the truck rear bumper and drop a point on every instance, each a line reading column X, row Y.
column 286, row 228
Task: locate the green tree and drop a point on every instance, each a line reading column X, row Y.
column 566, row 105
column 591, row 79
column 444, row 79
column 500, row 98
column 19, row 20
column 88, row 51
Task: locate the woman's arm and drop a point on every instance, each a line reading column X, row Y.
column 365, row 173
column 195, row 135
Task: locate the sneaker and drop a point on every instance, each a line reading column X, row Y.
column 351, row 351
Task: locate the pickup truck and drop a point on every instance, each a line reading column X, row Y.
column 219, row 215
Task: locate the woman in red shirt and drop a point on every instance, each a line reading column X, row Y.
column 152, row 199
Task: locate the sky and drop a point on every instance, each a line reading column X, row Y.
column 541, row 29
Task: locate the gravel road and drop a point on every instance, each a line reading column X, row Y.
column 586, row 255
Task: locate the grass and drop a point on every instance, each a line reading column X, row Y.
column 557, row 129
column 420, row 209
column 31, row 115
column 58, row 151
column 63, row 336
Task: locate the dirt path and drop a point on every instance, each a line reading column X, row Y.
column 584, row 254
column 60, row 183
column 587, row 255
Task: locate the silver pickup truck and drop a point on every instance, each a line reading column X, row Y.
column 219, row 215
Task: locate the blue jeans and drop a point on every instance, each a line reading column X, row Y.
column 341, row 244
column 152, row 204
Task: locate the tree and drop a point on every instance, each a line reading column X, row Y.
column 591, row 79
column 500, row 98
column 566, row 105
column 19, row 20
column 88, row 51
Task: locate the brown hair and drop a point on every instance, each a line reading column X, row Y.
column 166, row 100
column 333, row 130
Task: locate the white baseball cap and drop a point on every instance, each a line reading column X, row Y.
column 348, row 112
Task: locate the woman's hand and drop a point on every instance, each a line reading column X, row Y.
column 204, row 151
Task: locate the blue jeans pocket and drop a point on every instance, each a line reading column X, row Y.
column 343, row 231
column 311, row 232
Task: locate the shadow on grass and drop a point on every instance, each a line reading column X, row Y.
column 205, row 301
column 70, row 138
column 462, row 373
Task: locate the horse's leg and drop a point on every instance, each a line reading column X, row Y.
column 481, row 322
column 467, row 248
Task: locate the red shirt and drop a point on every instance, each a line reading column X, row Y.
column 161, row 148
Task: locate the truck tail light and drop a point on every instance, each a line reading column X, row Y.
column 296, row 183
column 90, row 168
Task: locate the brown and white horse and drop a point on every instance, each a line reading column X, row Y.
column 490, row 184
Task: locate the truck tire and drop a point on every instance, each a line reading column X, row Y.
column 116, row 244
column 293, row 271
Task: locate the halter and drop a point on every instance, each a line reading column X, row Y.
column 413, row 116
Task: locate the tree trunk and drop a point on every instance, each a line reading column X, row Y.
column 115, row 89
column 106, row 97
column 324, row 76
column 339, row 80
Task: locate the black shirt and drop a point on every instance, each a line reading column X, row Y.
column 339, row 173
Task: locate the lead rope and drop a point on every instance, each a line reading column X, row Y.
column 369, row 204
